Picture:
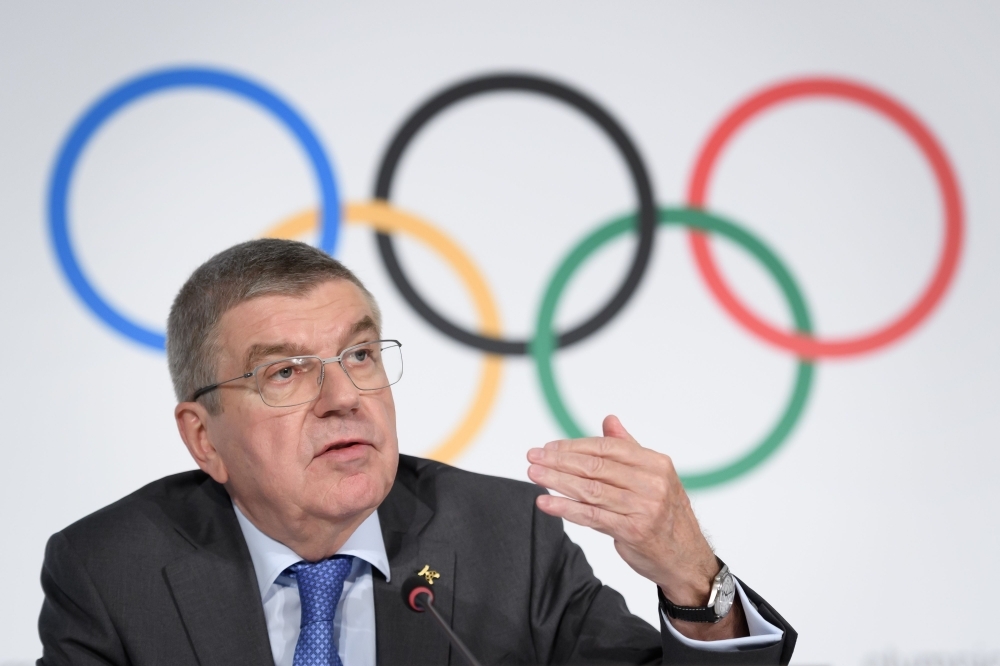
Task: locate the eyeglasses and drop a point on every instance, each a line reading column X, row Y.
column 297, row 380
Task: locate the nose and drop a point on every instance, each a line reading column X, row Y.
column 338, row 395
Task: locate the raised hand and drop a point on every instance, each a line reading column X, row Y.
column 633, row 494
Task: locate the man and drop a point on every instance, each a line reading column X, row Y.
column 291, row 544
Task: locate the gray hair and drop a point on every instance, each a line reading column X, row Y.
column 243, row 272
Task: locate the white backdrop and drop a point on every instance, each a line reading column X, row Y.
column 874, row 526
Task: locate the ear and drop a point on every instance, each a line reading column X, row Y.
column 192, row 424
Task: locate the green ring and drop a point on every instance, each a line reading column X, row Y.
column 543, row 344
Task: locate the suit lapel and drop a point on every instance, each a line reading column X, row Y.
column 403, row 636
column 214, row 586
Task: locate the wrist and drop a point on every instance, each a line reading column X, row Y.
column 689, row 593
column 695, row 588
column 721, row 596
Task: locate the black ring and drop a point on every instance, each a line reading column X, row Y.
column 647, row 208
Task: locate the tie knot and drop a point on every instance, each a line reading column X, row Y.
column 320, row 586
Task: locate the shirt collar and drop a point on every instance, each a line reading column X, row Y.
column 271, row 557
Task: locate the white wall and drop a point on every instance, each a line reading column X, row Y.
column 873, row 528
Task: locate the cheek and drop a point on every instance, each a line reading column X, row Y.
column 391, row 448
column 382, row 414
column 263, row 449
column 387, row 420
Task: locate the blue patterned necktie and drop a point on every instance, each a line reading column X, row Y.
column 320, row 586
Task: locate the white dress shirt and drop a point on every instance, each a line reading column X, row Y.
column 762, row 632
column 354, row 623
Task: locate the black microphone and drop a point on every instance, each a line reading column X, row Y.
column 419, row 597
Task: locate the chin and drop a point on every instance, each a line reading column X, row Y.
column 356, row 493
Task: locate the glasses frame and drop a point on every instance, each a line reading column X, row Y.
column 322, row 372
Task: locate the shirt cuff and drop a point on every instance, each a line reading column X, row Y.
column 762, row 632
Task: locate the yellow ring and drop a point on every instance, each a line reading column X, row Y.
column 388, row 219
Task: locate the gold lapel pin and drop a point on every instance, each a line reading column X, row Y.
column 429, row 574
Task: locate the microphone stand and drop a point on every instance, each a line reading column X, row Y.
column 427, row 603
column 419, row 597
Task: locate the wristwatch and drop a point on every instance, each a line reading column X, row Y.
column 720, row 600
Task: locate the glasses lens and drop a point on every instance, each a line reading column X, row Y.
column 290, row 381
column 373, row 365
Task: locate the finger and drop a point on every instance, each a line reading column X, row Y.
column 648, row 480
column 612, row 427
column 619, row 450
column 588, row 467
column 587, row 515
column 589, row 491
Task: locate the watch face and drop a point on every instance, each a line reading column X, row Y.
column 724, row 600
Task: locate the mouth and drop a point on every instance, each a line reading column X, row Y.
column 344, row 448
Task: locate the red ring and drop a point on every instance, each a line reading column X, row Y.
column 418, row 591
column 804, row 345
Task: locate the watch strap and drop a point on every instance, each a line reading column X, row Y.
column 704, row 614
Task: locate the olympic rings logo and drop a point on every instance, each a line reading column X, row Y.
column 387, row 220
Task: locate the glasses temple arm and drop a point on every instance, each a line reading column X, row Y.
column 211, row 387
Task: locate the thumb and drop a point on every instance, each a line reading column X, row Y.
column 613, row 428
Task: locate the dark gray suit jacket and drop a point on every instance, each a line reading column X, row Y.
column 164, row 576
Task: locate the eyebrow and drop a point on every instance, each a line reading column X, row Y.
column 365, row 324
column 259, row 352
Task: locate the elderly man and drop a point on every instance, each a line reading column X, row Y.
column 291, row 543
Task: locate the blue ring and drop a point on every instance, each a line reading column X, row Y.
column 130, row 91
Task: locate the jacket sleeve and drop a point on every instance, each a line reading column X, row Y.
column 74, row 624
column 578, row 620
